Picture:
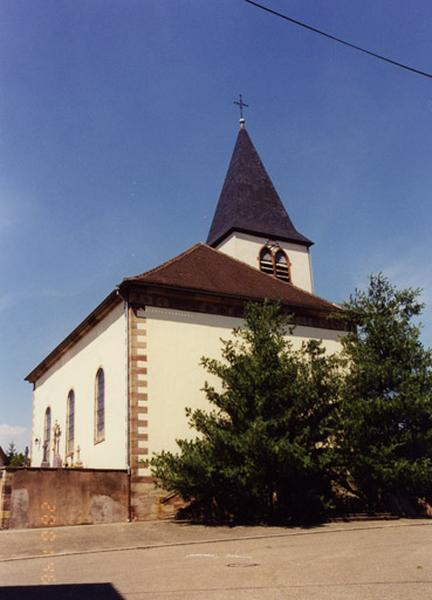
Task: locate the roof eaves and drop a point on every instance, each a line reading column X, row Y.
column 244, row 298
column 301, row 240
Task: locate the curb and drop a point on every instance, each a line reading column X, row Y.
column 209, row 541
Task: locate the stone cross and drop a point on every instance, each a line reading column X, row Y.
column 57, row 461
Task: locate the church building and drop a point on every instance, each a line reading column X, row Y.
column 114, row 391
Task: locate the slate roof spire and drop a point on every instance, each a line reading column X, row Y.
column 249, row 202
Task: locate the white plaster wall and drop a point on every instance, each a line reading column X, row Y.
column 176, row 341
column 104, row 346
column 246, row 248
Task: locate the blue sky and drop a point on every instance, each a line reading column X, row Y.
column 117, row 124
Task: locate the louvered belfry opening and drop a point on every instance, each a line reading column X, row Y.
column 275, row 262
column 282, row 267
column 266, row 261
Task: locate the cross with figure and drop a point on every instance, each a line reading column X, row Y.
column 241, row 104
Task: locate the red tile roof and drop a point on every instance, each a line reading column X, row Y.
column 205, row 269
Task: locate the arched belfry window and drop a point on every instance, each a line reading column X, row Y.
column 282, row 267
column 274, row 261
column 100, row 406
column 266, row 260
column 70, row 423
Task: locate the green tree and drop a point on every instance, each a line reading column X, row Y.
column 14, row 458
column 263, row 451
column 385, row 425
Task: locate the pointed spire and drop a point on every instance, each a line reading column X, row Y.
column 249, row 202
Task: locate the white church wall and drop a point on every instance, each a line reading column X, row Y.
column 176, row 341
column 329, row 337
column 104, row 346
column 246, row 247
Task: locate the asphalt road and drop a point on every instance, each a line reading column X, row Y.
column 374, row 561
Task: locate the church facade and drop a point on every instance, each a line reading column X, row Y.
column 115, row 390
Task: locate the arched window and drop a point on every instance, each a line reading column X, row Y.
column 47, row 426
column 100, row 406
column 70, row 423
column 274, row 261
column 282, row 266
column 266, row 260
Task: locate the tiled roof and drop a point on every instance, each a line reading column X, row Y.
column 249, row 202
column 205, row 269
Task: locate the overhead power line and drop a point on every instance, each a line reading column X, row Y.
column 336, row 39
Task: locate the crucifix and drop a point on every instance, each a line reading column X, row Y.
column 57, row 461
column 241, row 104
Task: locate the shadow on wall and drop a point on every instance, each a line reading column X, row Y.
column 81, row 591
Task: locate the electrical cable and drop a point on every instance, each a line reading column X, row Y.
column 336, row 39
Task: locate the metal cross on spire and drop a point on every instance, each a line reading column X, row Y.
column 241, row 104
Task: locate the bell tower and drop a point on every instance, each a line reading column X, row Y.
column 251, row 224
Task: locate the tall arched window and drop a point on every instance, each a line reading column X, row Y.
column 47, row 426
column 100, row 406
column 70, row 423
column 274, row 261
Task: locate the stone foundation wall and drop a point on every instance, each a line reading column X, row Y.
column 33, row 497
